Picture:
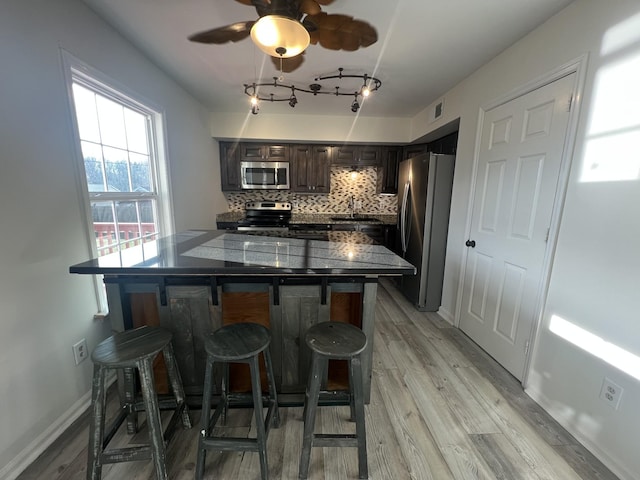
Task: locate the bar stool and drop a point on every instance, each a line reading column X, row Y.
column 238, row 343
column 338, row 341
column 128, row 350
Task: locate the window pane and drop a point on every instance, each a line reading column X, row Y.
column 127, row 212
column 104, row 227
column 111, row 117
column 85, row 104
column 115, row 165
column 136, row 126
column 140, row 173
column 92, row 154
column 147, row 209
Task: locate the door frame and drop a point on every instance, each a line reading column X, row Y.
column 579, row 67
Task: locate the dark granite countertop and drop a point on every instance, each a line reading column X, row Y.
column 219, row 252
column 318, row 218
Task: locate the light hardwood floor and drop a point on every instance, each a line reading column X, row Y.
column 440, row 409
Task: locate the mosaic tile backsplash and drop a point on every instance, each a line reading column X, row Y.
column 363, row 188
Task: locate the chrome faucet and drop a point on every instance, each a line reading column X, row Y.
column 351, row 205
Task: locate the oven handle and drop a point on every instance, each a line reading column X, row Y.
column 262, row 229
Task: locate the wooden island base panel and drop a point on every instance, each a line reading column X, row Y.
column 194, row 282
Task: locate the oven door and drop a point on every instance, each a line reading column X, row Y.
column 265, row 175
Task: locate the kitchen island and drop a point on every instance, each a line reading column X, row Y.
column 196, row 281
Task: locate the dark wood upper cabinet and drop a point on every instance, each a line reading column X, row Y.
column 310, row 168
column 230, row 166
column 387, row 181
column 357, row 155
column 259, row 152
column 410, row 151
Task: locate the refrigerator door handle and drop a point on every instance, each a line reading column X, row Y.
column 403, row 218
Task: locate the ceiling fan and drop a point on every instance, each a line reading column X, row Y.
column 298, row 24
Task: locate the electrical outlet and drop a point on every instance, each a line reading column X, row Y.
column 611, row 393
column 80, row 351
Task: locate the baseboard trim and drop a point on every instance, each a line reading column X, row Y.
column 541, row 399
column 448, row 317
column 43, row 441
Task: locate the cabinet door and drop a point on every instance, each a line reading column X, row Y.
column 229, row 167
column 387, row 181
column 251, row 151
column 276, row 153
column 310, row 168
column 321, row 171
column 301, row 163
column 411, row 151
column 345, row 155
column 356, row 155
column 369, row 155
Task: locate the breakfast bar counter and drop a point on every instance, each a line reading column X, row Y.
column 196, row 281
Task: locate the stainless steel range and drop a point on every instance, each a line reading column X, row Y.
column 266, row 216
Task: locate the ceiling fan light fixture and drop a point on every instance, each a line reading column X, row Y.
column 280, row 36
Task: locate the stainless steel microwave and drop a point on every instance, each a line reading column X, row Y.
column 265, row 175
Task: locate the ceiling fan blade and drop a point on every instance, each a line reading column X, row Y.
column 309, row 7
column 229, row 33
column 325, row 2
column 340, row 32
column 245, row 2
column 288, row 64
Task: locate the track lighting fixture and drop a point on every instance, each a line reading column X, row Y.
column 292, row 99
column 269, row 91
column 355, row 105
column 254, row 105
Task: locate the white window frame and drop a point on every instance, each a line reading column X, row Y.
column 77, row 71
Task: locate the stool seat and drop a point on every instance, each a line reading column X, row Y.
column 336, row 340
column 126, row 348
column 237, row 341
column 129, row 351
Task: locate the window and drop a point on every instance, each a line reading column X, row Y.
column 121, row 159
column 116, row 141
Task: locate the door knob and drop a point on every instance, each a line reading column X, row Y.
column 471, row 243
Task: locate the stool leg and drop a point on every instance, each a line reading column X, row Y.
column 176, row 384
column 273, row 394
column 311, row 404
column 224, row 391
column 357, row 391
column 205, row 418
column 152, row 409
column 130, row 399
column 256, row 390
column 96, row 429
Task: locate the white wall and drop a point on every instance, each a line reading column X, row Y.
column 43, row 308
column 312, row 128
column 595, row 279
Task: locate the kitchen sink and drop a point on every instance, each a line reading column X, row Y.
column 355, row 218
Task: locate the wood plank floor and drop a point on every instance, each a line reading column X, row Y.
column 440, row 409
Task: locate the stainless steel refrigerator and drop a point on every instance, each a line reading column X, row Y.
column 424, row 201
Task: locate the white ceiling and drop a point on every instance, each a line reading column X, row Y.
column 424, row 48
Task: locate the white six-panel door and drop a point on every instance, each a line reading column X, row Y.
column 518, row 168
